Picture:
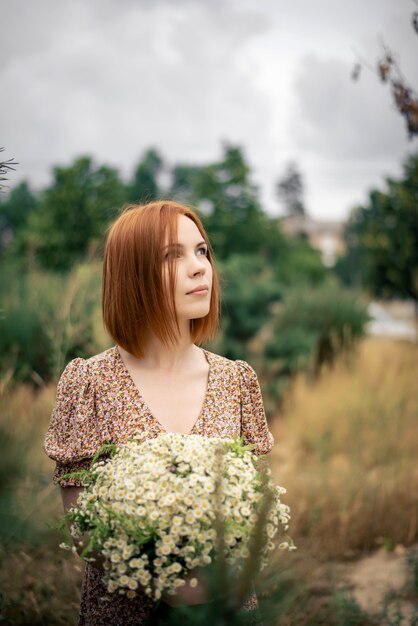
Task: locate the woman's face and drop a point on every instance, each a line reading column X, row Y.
column 192, row 268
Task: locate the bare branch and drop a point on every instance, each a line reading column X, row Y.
column 5, row 168
column 388, row 70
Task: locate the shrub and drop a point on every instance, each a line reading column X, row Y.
column 47, row 318
column 310, row 328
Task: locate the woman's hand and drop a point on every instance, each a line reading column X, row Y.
column 191, row 593
column 69, row 499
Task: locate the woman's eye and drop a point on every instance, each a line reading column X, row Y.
column 178, row 254
column 171, row 254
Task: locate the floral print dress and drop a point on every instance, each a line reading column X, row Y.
column 98, row 401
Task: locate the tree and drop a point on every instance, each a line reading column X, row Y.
column 228, row 203
column 14, row 213
column 290, row 190
column 237, row 221
column 72, row 213
column 250, row 291
column 383, row 237
column 144, row 185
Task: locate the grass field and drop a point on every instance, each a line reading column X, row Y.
column 345, row 450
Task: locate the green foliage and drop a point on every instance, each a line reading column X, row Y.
column 348, row 612
column 47, row 318
column 334, row 316
column 237, row 222
column 144, row 185
column 393, row 614
column 292, row 347
column 233, row 216
column 72, row 214
column 297, row 262
column 382, row 239
column 50, row 309
column 278, row 593
column 412, row 561
column 87, row 476
column 17, row 438
column 14, row 212
column 249, row 290
column 106, row 449
column 238, row 448
column 23, row 338
column 310, row 327
column 11, row 471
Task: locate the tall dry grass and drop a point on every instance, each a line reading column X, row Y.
column 38, row 584
column 347, row 448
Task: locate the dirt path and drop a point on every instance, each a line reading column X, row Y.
column 372, row 578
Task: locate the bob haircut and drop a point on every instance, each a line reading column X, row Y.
column 134, row 300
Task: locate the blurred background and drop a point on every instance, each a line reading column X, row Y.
column 292, row 128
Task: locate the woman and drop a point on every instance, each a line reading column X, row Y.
column 160, row 299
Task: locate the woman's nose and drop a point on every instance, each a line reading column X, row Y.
column 197, row 265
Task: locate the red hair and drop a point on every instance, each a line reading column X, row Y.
column 132, row 304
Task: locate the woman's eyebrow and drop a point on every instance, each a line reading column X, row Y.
column 180, row 245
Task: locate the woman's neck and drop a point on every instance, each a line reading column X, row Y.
column 158, row 356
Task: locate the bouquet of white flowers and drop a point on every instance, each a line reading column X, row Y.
column 153, row 508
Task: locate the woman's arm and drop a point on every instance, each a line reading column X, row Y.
column 69, row 497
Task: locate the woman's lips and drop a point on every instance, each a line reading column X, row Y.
column 200, row 292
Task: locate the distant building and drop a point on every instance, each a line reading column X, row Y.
column 324, row 235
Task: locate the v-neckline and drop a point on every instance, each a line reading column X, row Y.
column 138, row 394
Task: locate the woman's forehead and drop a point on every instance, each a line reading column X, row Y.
column 187, row 232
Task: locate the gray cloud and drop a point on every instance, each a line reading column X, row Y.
column 341, row 119
column 113, row 78
column 114, row 82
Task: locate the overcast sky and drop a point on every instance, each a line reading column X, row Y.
column 111, row 78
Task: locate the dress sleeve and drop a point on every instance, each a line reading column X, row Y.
column 254, row 427
column 72, row 437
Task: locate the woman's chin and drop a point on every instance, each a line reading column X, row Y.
column 197, row 313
